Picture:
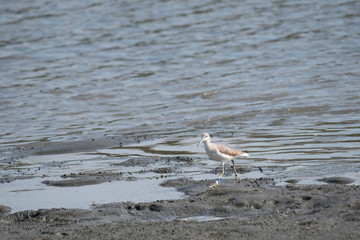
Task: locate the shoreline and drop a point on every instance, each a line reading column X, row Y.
column 252, row 209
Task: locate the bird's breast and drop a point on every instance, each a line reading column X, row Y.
column 214, row 154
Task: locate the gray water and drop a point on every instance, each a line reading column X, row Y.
column 279, row 79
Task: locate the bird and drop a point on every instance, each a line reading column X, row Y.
column 221, row 153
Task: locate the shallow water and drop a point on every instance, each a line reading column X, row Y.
column 279, row 79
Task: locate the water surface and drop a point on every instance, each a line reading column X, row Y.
column 279, row 79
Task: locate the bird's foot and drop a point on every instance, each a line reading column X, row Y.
column 217, row 183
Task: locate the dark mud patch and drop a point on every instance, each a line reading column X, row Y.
column 162, row 167
column 163, row 170
column 292, row 181
column 251, row 209
column 82, row 179
column 337, row 180
column 74, row 182
column 229, row 170
column 4, row 210
column 146, row 161
column 84, row 145
column 135, row 162
column 8, row 178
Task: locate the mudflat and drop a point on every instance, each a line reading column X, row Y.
column 251, row 209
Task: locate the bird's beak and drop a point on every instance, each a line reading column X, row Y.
column 200, row 142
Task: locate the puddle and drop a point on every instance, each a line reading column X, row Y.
column 32, row 194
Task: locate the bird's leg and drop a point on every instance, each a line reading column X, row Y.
column 236, row 174
column 218, row 181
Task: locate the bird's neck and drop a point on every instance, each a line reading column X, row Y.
column 207, row 143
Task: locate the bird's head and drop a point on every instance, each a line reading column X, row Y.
column 204, row 137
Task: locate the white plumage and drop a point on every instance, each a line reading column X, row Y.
column 220, row 153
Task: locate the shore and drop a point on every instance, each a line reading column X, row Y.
column 251, row 209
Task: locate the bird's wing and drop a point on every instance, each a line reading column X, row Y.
column 228, row 151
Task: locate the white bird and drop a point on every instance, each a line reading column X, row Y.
column 220, row 153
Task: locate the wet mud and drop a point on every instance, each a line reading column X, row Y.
column 251, row 209
column 255, row 208
column 9, row 154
